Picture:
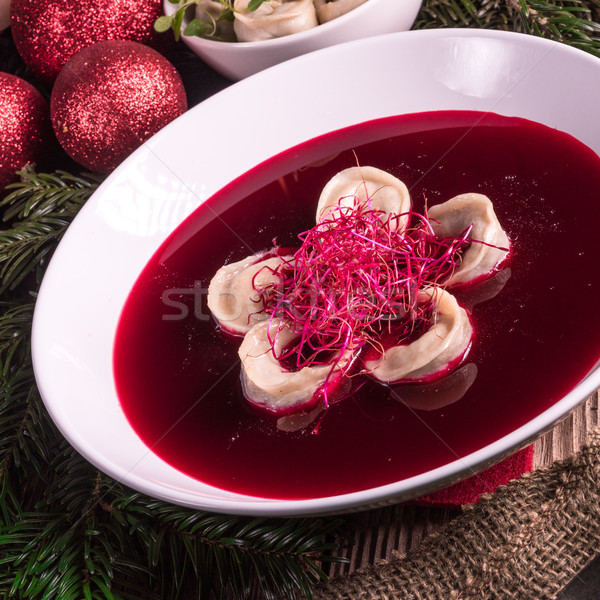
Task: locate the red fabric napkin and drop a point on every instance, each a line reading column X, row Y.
column 470, row 490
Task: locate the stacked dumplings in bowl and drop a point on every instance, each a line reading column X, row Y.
column 252, row 38
column 275, row 18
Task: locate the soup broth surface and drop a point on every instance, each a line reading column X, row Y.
column 178, row 375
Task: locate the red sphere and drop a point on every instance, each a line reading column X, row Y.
column 110, row 98
column 48, row 33
column 25, row 130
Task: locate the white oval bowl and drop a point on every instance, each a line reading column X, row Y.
column 153, row 191
column 237, row 60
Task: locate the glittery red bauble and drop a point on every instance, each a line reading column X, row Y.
column 110, row 98
column 48, row 32
column 25, row 131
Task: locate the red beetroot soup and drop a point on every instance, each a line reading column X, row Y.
column 178, row 376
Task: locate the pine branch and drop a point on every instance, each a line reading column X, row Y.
column 43, row 194
column 574, row 22
column 70, row 546
column 38, row 211
column 277, row 558
column 569, row 23
column 49, row 556
column 90, row 537
column 15, row 329
column 24, row 424
column 24, row 444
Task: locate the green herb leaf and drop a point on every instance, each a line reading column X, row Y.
column 196, row 27
column 163, row 24
column 254, row 4
column 177, row 21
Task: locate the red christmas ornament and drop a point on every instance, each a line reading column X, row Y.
column 25, row 130
column 110, row 98
column 48, row 33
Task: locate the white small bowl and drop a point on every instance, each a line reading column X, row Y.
column 237, row 60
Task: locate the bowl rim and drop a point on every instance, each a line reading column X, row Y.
column 394, row 492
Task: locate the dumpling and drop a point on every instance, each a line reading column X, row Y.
column 270, row 385
column 232, row 297
column 378, row 189
column 273, row 19
column 208, row 11
column 327, row 10
column 453, row 217
column 431, row 355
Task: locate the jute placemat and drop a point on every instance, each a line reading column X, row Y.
column 526, row 541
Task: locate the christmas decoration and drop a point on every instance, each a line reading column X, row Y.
column 25, row 132
column 110, row 98
column 48, row 33
column 4, row 14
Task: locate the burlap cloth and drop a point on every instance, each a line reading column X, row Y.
column 526, row 541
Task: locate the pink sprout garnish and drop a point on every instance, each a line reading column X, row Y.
column 358, row 277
